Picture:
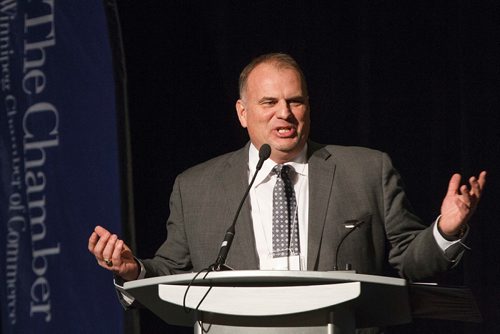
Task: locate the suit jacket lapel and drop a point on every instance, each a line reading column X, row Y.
column 243, row 254
column 321, row 173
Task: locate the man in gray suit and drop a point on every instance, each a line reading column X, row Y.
column 335, row 188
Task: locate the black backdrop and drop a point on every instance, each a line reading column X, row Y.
column 417, row 79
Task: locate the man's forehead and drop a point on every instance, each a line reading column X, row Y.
column 268, row 76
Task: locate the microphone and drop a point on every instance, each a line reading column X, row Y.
column 351, row 225
column 264, row 154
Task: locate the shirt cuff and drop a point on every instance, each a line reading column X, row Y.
column 118, row 282
column 443, row 243
column 453, row 250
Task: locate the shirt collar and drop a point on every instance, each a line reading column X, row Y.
column 299, row 164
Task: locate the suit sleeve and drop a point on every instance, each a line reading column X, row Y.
column 173, row 255
column 414, row 250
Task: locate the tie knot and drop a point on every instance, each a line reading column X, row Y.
column 283, row 171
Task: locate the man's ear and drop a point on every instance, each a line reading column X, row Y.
column 242, row 112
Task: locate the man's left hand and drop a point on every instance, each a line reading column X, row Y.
column 460, row 203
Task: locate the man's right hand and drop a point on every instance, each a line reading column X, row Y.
column 113, row 254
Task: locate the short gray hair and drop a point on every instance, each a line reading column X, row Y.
column 280, row 60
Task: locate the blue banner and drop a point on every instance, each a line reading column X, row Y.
column 59, row 165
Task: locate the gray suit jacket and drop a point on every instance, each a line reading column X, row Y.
column 345, row 183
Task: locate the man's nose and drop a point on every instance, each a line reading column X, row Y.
column 283, row 109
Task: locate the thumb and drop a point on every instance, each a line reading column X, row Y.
column 454, row 184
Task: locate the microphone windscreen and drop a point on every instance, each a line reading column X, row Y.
column 264, row 152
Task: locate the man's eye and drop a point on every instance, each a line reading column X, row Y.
column 296, row 104
column 269, row 103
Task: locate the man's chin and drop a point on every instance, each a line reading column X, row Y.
column 287, row 148
column 284, row 148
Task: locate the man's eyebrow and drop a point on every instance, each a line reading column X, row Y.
column 300, row 98
column 267, row 98
column 296, row 98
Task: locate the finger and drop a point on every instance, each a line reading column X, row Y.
column 101, row 231
column 475, row 188
column 477, row 184
column 454, row 184
column 463, row 200
column 465, row 196
column 117, row 253
column 92, row 241
column 109, row 248
column 101, row 244
column 464, row 191
column 482, row 180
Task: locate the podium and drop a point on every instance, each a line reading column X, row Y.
column 260, row 302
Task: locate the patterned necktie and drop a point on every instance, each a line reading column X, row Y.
column 285, row 222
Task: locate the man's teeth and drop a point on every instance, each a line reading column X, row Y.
column 283, row 130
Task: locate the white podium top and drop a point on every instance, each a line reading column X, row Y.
column 237, row 296
column 267, row 277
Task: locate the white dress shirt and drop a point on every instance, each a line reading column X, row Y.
column 261, row 202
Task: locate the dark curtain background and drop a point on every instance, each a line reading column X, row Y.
column 417, row 79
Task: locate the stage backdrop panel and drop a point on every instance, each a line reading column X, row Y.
column 60, row 166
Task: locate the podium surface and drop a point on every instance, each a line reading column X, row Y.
column 257, row 301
